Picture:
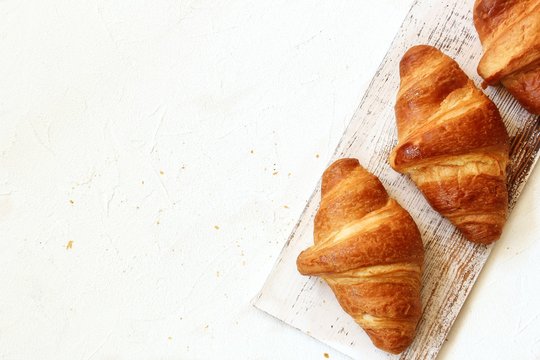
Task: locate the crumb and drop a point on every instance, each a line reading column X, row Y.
column 183, row 167
column 142, row 182
column 161, row 172
column 243, row 263
column 289, row 174
column 275, row 173
column 170, row 337
column 317, row 156
column 206, row 327
column 285, row 206
column 216, row 227
column 157, row 222
column 217, row 273
column 326, row 355
column 69, row 245
column 71, row 202
column 252, row 152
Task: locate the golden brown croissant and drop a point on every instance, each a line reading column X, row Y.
column 369, row 251
column 452, row 142
column 510, row 34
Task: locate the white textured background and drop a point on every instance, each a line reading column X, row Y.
column 174, row 143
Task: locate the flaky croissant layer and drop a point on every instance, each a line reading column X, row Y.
column 510, row 34
column 369, row 251
column 453, row 143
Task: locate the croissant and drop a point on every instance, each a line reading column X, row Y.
column 453, row 143
column 369, row 251
column 510, row 34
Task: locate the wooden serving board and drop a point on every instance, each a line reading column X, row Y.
column 451, row 264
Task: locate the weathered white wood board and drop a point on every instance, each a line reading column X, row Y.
column 452, row 264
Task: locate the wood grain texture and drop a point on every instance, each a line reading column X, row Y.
column 452, row 264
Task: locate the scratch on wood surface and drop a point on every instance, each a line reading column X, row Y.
column 451, row 264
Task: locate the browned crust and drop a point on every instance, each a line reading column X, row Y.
column 479, row 128
column 462, row 203
column 525, row 87
column 489, row 14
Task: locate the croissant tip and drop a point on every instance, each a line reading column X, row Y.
column 396, row 351
column 419, row 47
column 390, row 341
column 337, row 171
column 483, row 241
column 413, row 56
column 343, row 162
column 393, row 350
column 481, row 233
column 300, row 263
column 396, row 159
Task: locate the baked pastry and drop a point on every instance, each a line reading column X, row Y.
column 369, row 251
column 510, row 34
column 452, row 143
